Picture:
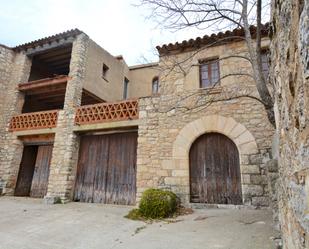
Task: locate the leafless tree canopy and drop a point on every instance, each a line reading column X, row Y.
column 218, row 15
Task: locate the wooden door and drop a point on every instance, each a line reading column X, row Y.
column 26, row 170
column 106, row 169
column 41, row 171
column 215, row 170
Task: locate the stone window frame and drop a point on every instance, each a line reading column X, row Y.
column 209, row 62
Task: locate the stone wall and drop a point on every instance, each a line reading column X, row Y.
column 15, row 69
column 165, row 138
column 290, row 75
column 66, row 144
column 170, row 122
column 6, row 60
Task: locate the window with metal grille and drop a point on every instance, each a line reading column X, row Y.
column 209, row 73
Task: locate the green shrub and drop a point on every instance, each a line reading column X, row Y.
column 157, row 204
column 134, row 214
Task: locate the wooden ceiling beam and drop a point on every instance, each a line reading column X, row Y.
column 58, row 57
column 57, row 52
column 60, row 80
column 49, row 96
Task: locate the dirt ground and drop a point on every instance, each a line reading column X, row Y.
column 28, row 223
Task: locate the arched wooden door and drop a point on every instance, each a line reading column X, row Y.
column 214, row 170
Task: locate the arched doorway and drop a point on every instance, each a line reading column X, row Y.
column 214, row 170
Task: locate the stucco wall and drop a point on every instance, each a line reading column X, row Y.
column 290, row 75
column 141, row 78
column 111, row 87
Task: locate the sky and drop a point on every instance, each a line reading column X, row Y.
column 116, row 25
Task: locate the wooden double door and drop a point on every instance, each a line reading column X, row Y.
column 106, row 171
column 215, row 170
column 34, row 171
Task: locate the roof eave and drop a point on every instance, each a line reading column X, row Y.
column 48, row 40
column 210, row 41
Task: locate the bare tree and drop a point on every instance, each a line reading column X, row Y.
column 219, row 15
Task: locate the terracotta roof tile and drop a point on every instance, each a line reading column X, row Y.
column 39, row 42
column 212, row 40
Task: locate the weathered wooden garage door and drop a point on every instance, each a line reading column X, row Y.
column 41, row 171
column 106, row 169
column 215, row 170
column 34, row 171
column 26, row 170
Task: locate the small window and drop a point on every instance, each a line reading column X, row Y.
column 265, row 64
column 209, row 73
column 125, row 88
column 155, row 85
column 105, row 69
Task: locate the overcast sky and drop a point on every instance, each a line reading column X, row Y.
column 116, row 25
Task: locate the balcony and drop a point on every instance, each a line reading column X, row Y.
column 107, row 112
column 34, row 120
column 85, row 115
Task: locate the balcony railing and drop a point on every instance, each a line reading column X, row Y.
column 34, row 120
column 107, row 112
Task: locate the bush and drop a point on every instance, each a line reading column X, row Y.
column 134, row 214
column 157, row 204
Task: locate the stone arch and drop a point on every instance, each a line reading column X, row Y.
column 237, row 132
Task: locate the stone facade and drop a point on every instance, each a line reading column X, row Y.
column 172, row 121
column 290, row 71
column 165, row 139
column 169, row 122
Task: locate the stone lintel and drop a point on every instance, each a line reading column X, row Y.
column 106, row 125
column 35, row 132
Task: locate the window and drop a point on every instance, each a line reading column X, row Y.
column 155, row 85
column 265, row 64
column 104, row 71
column 125, row 88
column 209, row 73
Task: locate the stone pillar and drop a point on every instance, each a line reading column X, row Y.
column 17, row 68
column 66, row 144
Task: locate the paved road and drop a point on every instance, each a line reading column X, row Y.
column 29, row 224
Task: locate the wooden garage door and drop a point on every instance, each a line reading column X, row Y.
column 106, row 169
column 34, row 171
column 41, row 171
column 215, row 170
column 26, row 170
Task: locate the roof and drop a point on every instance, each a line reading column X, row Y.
column 152, row 64
column 48, row 39
column 212, row 40
column 4, row 46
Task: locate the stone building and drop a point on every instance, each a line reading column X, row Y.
column 78, row 124
column 290, row 75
